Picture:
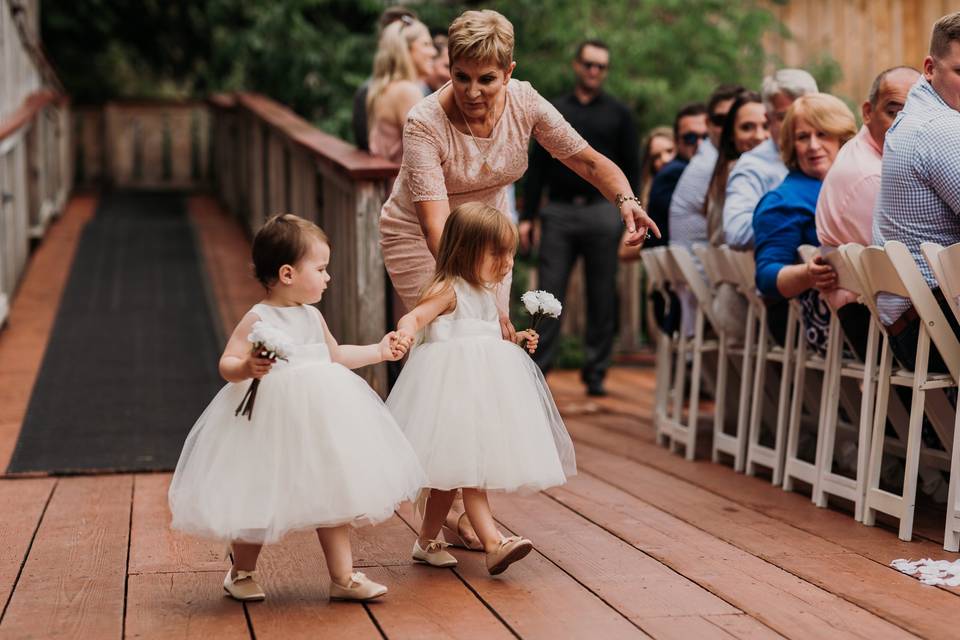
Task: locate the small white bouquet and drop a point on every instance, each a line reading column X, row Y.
column 540, row 305
column 268, row 342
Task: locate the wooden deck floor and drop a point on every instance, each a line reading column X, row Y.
column 640, row 544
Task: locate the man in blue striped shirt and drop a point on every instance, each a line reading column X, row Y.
column 919, row 197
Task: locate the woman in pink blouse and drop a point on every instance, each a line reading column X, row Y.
column 467, row 142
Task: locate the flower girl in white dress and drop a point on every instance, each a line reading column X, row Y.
column 318, row 449
column 474, row 406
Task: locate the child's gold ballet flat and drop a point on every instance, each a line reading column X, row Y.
column 243, row 587
column 510, row 550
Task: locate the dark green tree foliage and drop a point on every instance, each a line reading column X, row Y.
column 312, row 54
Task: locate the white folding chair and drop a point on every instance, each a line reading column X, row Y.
column 805, row 360
column 680, row 433
column 672, row 418
column 840, row 367
column 767, row 353
column 731, row 355
column 666, row 340
column 892, row 270
column 945, row 263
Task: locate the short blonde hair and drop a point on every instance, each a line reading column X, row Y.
column 483, row 36
column 824, row 112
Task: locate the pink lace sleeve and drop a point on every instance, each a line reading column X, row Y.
column 421, row 162
column 550, row 128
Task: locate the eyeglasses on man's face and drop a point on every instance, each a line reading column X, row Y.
column 692, row 137
column 590, row 65
column 717, row 119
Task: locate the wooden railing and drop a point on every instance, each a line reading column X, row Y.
column 35, row 168
column 143, row 144
column 268, row 160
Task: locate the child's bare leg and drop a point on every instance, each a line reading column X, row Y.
column 244, row 557
column 336, row 549
column 458, row 522
column 478, row 510
column 438, row 504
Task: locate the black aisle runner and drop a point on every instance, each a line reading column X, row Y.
column 132, row 360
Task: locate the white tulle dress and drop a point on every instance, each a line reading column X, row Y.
column 476, row 408
column 320, row 449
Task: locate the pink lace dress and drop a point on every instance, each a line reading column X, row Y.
column 442, row 163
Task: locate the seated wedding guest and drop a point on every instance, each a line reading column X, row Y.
column 688, row 224
column 441, row 63
column 919, row 197
column 404, row 58
column 359, row 116
column 814, row 129
column 689, row 129
column 744, row 128
column 849, row 192
column 659, row 149
column 761, row 170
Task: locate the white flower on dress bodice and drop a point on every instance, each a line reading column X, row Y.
column 303, row 325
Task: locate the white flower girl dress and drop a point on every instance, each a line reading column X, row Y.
column 476, row 408
column 320, row 448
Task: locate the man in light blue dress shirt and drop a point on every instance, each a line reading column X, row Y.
column 761, row 170
column 919, row 197
column 688, row 223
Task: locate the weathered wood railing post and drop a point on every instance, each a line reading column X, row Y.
column 35, row 164
column 269, row 160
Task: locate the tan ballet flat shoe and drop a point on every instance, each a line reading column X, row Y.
column 434, row 555
column 243, row 588
column 359, row 588
column 510, row 550
column 456, row 538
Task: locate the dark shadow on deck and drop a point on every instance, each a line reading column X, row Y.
column 132, row 358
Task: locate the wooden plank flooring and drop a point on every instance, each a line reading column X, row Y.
column 641, row 544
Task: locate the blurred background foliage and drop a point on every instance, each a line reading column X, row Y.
column 312, row 54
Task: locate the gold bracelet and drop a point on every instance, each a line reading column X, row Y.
column 620, row 199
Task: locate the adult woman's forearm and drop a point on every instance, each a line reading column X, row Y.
column 601, row 172
column 432, row 215
column 792, row 280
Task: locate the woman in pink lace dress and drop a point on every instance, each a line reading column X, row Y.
column 467, row 142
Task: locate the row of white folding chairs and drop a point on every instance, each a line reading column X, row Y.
column 866, row 272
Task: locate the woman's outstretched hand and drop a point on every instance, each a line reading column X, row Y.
column 637, row 222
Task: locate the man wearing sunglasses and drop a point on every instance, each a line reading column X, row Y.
column 577, row 220
column 689, row 129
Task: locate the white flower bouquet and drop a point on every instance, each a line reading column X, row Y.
column 268, row 342
column 541, row 304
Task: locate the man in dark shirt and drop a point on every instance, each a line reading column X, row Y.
column 578, row 220
column 689, row 128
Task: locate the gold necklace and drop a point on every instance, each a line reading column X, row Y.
column 483, row 156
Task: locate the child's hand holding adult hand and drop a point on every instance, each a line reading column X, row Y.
column 531, row 337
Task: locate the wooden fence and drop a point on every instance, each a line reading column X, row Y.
column 35, row 168
column 863, row 36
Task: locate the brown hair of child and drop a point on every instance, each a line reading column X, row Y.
column 283, row 239
column 471, row 231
